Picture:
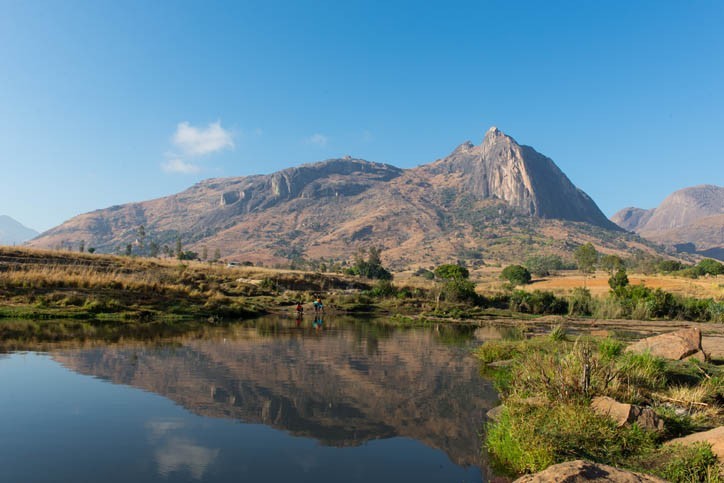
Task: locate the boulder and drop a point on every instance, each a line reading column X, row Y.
column 715, row 437
column 580, row 471
column 674, row 345
column 627, row 413
column 494, row 414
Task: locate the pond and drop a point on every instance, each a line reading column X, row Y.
column 273, row 400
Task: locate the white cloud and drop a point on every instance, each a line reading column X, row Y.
column 318, row 140
column 194, row 141
column 177, row 165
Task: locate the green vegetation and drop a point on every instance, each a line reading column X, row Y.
column 370, row 267
column 545, row 265
column 547, row 418
column 516, row 275
column 586, row 259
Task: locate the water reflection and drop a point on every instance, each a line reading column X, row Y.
column 340, row 384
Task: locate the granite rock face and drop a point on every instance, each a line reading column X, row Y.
column 582, row 471
column 674, row 345
column 501, row 168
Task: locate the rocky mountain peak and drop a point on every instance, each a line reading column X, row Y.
column 532, row 183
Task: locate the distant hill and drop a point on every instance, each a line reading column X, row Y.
column 13, row 232
column 494, row 201
column 691, row 219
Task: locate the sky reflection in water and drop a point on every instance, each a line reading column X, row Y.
column 245, row 407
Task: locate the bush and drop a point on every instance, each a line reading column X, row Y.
column 529, row 437
column 383, row 288
column 580, row 302
column 618, row 281
column 451, row 272
column 537, row 302
column 516, row 275
column 544, row 265
column 709, row 267
column 687, row 464
column 424, row 273
column 459, row 290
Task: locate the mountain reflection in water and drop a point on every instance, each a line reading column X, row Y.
column 343, row 386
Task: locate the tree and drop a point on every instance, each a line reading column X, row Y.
column 452, row 272
column 618, row 281
column 710, row 267
column 586, row 258
column 217, row 254
column 370, row 267
column 544, row 265
column 81, row 247
column 204, row 253
column 153, row 249
column 142, row 235
column 129, row 250
column 611, row 263
column 91, row 250
column 516, row 275
column 179, row 249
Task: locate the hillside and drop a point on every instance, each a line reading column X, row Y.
column 496, row 201
column 13, row 232
column 691, row 219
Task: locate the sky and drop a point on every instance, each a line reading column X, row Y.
column 106, row 102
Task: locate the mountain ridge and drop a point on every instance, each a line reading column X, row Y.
column 12, row 231
column 690, row 219
column 463, row 205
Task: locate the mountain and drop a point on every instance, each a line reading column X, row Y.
column 495, row 201
column 12, row 231
column 691, row 219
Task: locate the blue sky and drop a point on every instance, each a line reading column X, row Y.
column 105, row 102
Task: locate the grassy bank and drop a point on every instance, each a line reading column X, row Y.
column 547, row 384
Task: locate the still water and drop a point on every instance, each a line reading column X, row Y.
column 271, row 401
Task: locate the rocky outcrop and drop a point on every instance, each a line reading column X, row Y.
column 674, row 345
column 583, row 471
column 501, row 168
column 624, row 414
column 714, row 437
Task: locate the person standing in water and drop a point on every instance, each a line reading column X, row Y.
column 318, row 305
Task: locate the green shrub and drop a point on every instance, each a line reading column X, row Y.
column 558, row 333
column 459, row 290
column 610, row 348
column 451, row 272
column 383, row 288
column 580, row 302
column 687, row 464
column 529, row 437
column 516, row 275
column 537, row 302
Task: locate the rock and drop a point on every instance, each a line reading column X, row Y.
column 627, row 413
column 494, row 414
column 674, row 345
column 579, row 471
column 715, row 437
